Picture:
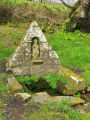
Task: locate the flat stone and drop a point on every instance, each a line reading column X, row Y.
column 14, row 84
column 23, row 96
column 73, row 80
column 44, row 97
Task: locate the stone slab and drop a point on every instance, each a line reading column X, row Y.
column 44, row 97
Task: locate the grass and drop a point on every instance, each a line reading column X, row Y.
column 73, row 50
column 3, row 96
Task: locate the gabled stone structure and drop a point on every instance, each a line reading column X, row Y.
column 34, row 56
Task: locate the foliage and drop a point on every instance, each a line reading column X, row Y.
column 52, row 79
column 11, row 3
column 77, row 95
column 72, row 87
column 27, row 80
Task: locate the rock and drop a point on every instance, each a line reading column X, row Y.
column 61, row 88
column 74, row 81
column 34, row 56
column 88, row 89
column 86, row 96
column 44, row 97
column 81, row 111
column 14, row 85
column 23, row 96
column 83, row 92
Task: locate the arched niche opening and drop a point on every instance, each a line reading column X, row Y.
column 35, row 50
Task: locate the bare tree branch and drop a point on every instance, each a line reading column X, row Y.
column 69, row 6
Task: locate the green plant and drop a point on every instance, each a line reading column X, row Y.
column 52, row 79
column 74, row 114
column 77, row 95
column 72, row 87
column 64, row 92
column 27, row 80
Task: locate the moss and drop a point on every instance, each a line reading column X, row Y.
column 79, row 100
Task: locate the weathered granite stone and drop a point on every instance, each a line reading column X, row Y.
column 23, row 96
column 44, row 97
column 14, row 85
column 74, row 81
column 34, row 56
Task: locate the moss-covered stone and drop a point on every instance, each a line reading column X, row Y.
column 14, row 85
column 42, row 97
column 74, row 82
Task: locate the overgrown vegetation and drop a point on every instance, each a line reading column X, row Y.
column 20, row 13
column 51, row 79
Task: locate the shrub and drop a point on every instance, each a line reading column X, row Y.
column 52, row 79
column 27, row 80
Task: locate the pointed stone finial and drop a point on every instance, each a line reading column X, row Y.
column 34, row 24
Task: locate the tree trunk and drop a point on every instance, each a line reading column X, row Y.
column 78, row 16
column 40, row 1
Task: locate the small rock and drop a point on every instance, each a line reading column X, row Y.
column 86, row 104
column 15, row 85
column 88, row 89
column 86, row 96
column 81, row 111
column 83, row 91
column 23, row 96
column 52, row 108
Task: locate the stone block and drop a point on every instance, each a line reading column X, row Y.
column 73, row 80
column 14, row 85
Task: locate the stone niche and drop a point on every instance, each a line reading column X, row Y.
column 34, row 56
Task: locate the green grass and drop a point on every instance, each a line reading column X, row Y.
column 3, row 96
column 73, row 50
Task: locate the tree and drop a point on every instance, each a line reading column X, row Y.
column 78, row 16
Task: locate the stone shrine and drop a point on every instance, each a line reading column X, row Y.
column 34, row 56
